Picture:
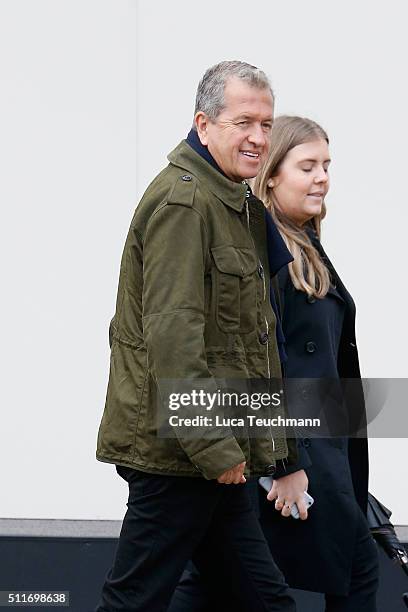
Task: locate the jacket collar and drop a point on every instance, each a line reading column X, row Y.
column 230, row 193
column 195, row 143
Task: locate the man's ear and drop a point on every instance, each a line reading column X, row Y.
column 201, row 122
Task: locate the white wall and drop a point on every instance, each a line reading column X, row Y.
column 67, row 192
column 94, row 94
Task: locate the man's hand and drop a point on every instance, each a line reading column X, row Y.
column 289, row 490
column 233, row 476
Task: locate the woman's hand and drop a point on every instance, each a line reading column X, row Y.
column 289, row 490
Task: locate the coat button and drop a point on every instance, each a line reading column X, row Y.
column 311, row 299
column 260, row 271
column 310, row 347
column 186, row 177
column 270, row 470
column 306, row 442
column 264, row 338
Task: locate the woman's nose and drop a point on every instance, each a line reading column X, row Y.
column 321, row 176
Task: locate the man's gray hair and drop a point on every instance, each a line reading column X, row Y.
column 210, row 92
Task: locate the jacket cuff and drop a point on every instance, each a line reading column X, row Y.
column 283, row 468
column 218, row 458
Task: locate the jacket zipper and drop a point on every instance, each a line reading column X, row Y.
column 266, row 321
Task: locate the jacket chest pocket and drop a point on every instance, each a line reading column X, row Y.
column 235, row 289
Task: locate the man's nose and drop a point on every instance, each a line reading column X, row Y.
column 257, row 135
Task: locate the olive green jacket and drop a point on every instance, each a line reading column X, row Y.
column 193, row 303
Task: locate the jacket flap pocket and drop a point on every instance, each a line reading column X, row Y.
column 230, row 260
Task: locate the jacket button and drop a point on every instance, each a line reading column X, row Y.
column 264, row 338
column 186, row 177
column 306, row 442
column 260, row 271
column 270, row 470
column 311, row 299
column 310, row 347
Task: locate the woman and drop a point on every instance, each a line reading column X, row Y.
column 332, row 552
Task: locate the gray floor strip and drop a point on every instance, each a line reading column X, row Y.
column 59, row 528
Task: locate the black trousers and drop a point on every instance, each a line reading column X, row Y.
column 364, row 576
column 173, row 519
column 195, row 593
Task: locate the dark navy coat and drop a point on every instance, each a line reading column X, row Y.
column 316, row 554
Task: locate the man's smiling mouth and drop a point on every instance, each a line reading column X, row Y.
column 250, row 154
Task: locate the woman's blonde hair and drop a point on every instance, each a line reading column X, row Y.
column 307, row 271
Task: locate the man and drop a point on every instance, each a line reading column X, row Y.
column 193, row 304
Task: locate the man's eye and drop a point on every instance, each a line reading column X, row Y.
column 306, row 169
column 242, row 122
column 267, row 126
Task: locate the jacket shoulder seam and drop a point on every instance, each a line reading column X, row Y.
column 193, row 208
column 183, row 191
